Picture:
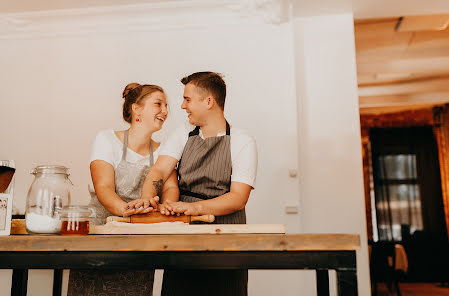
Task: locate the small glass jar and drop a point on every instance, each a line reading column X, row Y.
column 48, row 194
column 75, row 220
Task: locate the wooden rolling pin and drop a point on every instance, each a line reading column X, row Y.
column 157, row 217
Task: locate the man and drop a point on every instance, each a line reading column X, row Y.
column 217, row 169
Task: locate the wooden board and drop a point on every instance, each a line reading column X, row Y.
column 184, row 228
column 18, row 227
column 177, row 242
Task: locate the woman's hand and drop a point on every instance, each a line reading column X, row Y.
column 141, row 206
column 179, row 207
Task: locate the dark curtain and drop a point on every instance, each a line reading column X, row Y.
column 407, row 183
column 408, row 199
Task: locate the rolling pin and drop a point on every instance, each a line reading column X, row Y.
column 157, row 217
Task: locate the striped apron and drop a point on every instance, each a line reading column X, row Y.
column 204, row 172
column 129, row 179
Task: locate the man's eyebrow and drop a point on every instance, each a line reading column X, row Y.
column 186, row 97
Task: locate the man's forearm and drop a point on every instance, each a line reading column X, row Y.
column 153, row 184
column 222, row 205
column 171, row 194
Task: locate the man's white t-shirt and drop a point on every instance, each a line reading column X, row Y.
column 109, row 148
column 243, row 152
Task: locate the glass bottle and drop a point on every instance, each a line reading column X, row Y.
column 48, row 194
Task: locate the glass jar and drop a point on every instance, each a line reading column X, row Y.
column 48, row 194
column 75, row 220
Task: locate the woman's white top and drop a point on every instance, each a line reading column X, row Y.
column 109, row 148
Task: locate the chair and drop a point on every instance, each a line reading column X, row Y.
column 388, row 263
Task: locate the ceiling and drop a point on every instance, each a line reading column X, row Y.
column 402, row 63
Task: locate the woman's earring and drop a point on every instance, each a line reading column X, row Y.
column 137, row 119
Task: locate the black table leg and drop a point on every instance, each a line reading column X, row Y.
column 57, row 282
column 347, row 282
column 19, row 282
column 322, row 282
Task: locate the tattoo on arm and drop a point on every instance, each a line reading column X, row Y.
column 158, row 186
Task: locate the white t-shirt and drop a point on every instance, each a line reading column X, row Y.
column 109, row 148
column 243, row 152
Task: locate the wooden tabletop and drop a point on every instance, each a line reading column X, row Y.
column 191, row 242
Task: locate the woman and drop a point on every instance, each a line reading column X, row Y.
column 120, row 161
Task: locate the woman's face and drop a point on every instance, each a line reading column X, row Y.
column 154, row 112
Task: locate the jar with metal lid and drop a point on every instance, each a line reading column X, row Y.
column 75, row 220
column 48, row 194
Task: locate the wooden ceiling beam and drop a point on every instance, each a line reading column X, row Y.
column 412, row 87
column 404, row 100
column 417, row 23
column 420, row 65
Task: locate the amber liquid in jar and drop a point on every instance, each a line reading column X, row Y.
column 75, row 227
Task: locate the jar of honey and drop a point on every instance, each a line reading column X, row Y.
column 75, row 219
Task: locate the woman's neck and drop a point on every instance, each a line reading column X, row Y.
column 139, row 139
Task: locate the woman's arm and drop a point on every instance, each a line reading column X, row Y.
column 104, row 183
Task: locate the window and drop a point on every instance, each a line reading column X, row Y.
column 398, row 197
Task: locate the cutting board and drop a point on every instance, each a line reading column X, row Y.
column 18, row 227
column 184, row 228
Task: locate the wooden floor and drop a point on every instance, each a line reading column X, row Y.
column 416, row 289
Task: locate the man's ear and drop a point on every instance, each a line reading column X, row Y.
column 210, row 102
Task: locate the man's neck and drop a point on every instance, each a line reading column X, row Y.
column 214, row 126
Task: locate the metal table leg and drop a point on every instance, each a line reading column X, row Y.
column 19, row 282
column 347, row 282
column 57, row 282
column 322, row 282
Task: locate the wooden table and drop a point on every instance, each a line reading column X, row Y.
column 321, row 252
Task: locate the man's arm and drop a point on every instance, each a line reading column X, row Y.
column 158, row 174
column 225, row 204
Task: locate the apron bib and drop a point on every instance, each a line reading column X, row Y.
column 129, row 179
column 204, row 172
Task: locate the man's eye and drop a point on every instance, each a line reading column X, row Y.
column 158, row 104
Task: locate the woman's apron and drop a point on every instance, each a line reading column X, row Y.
column 129, row 179
column 204, row 172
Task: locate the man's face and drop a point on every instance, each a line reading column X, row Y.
column 195, row 104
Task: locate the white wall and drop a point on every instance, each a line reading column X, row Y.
column 59, row 89
column 330, row 161
column 62, row 79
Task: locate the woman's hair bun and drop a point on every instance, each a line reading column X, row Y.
column 128, row 88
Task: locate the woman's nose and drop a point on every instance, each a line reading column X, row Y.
column 164, row 109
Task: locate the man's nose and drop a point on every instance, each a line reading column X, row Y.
column 183, row 105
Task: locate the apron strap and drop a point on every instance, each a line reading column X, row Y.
column 125, row 148
column 125, row 145
column 195, row 132
column 151, row 154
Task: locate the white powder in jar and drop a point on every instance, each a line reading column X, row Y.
column 42, row 223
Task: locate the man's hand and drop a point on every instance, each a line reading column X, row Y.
column 179, row 207
column 141, row 206
column 165, row 209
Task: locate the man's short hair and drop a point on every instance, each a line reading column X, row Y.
column 211, row 82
